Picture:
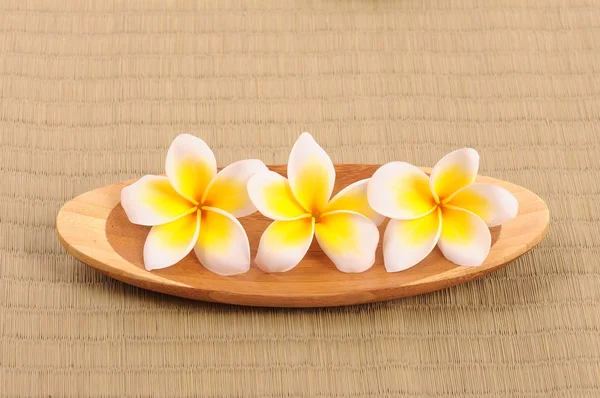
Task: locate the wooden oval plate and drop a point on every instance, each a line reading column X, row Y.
column 93, row 227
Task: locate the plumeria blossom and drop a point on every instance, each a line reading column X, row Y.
column 447, row 209
column 194, row 208
column 345, row 226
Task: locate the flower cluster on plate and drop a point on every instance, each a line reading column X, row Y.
column 195, row 208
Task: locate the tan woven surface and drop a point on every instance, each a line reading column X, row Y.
column 93, row 93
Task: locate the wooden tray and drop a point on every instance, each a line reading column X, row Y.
column 93, row 228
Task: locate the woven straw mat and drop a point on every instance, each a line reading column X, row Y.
column 93, row 92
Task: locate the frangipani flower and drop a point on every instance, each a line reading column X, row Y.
column 194, row 207
column 345, row 226
column 446, row 209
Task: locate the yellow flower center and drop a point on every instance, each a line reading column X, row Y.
column 439, row 205
column 316, row 214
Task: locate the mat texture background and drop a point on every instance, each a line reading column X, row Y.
column 93, row 93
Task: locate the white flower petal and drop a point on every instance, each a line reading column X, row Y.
column 494, row 204
column 271, row 194
column 152, row 201
column 354, row 198
column 190, row 166
column 222, row 246
column 453, row 172
column 408, row 242
column 349, row 239
column 228, row 190
column 465, row 238
column 311, row 173
column 169, row 243
column 400, row 190
column 284, row 244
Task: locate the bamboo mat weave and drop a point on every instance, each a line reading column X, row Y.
column 93, row 93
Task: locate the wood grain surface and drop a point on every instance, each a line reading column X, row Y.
column 93, row 227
